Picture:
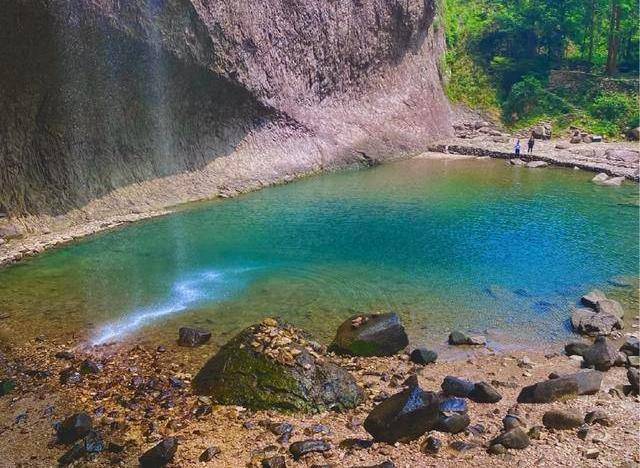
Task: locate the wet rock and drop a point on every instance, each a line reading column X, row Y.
column 562, row 419
column 371, row 335
column 590, row 322
column 576, row 348
column 592, row 298
column 73, row 428
column 159, row 455
column 631, row 346
column 274, row 462
column 581, row 383
column 431, row 445
column 301, row 448
column 70, row 376
column 192, row 337
column 209, row 454
column 597, row 416
column 515, row 438
column 7, row 386
column 423, row 356
column 90, row 367
column 274, row 366
column 404, row 417
column 458, row 338
column 453, row 423
column 455, row 386
column 484, row 393
column 601, row 355
column 634, row 379
column 610, row 307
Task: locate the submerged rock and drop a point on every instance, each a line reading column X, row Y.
column 581, row 383
column 601, row 355
column 192, row 337
column 371, row 335
column 458, row 338
column 404, row 416
column 273, row 365
column 423, row 356
column 159, row 455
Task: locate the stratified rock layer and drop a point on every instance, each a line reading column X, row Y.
column 114, row 106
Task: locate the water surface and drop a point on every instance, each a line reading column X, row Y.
column 465, row 244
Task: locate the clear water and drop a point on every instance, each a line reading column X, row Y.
column 466, row 244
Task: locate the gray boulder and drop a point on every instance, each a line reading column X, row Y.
column 273, row 365
column 602, row 355
column 458, row 338
column 598, row 179
column 423, row 356
column 404, row 416
column 610, row 307
column 624, row 155
column 514, row 438
column 567, row 386
column 590, row 322
column 631, row 346
column 457, row 387
column 576, row 348
column 592, row 298
column 613, row 182
column 371, row 335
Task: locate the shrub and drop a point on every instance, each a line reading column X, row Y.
column 616, row 108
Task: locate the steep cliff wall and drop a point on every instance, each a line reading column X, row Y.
column 109, row 106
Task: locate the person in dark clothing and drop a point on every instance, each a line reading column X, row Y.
column 532, row 141
column 517, row 148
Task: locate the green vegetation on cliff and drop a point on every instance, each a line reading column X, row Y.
column 573, row 62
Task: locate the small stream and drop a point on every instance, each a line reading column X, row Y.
column 468, row 244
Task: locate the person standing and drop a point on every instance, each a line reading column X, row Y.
column 532, row 142
column 517, row 148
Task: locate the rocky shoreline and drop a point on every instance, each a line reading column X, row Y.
column 392, row 404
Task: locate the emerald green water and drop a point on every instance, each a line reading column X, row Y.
column 467, row 244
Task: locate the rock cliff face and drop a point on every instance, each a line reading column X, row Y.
column 111, row 105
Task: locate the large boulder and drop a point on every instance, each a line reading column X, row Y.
column 591, row 299
column 567, row 386
column 602, row 355
column 404, row 416
column 541, row 132
column 371, row 335
column 624, row 155
column 576, row 348
column 590, row 322
column 610, row 307
column 273, row 365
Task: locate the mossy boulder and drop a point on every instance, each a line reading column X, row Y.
column 273, row 365
column 370, row 335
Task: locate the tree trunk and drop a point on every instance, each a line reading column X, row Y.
column 614, row 38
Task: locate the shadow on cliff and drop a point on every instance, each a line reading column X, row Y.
column 87, row 110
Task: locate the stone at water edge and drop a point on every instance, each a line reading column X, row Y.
column 404, row 416
column 537, row 164
column 458, row 338
column 517, row 162
column 613, row 182
column 602, row 355
column 580, row 383
column 562, row 419
column 610, row 307
column 514, row 438
column 300, row 448
column 273, row 365
column 371, row 335
column 159, row 455
column 423, row 356
column 192, row 337
column 599, row 178
column 74, row 428
column 576, row 348
column 592, row 297
column 592, row 323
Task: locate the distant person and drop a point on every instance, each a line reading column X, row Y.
column 517, row 148
column 532, row 142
